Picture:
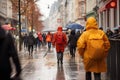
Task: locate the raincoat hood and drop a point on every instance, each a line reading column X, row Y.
column 59, row 28
column 91, row 23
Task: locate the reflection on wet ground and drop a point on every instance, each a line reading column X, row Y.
column 37, row 67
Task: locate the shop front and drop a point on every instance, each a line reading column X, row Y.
column 109, row 14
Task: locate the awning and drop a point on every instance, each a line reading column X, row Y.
column 108, row 5
column 111, row 4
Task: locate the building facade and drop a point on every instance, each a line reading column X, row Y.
column 54, row 15
column 3, row 10
column 90, row 5
column 80, row 11
column 109, row 14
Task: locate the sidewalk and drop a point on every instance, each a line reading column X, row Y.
column 46, row 68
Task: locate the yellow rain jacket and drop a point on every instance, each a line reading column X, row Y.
column 85, row 50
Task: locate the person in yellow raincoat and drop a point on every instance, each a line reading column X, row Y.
column 85, row 50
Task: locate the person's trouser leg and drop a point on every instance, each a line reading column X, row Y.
column 97, row 76
column 58, row 57
column 88, row 76
column 39, row 44
column 29, row 49
column 61, row 59
column 71, row 51
column 49, row 45
column 74, row 50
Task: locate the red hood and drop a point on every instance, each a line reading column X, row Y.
column 59, row 28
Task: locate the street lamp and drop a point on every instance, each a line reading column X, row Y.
column 20, row 47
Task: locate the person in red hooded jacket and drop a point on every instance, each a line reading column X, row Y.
column 59, row 41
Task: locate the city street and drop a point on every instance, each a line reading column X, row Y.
column 46, row 68
column 91, row 26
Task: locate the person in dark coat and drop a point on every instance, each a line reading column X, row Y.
column 31, row 42
column 8, row 52
column 109, row 33
column 72, row 43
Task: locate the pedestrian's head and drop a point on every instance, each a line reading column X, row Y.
column 91, row 23
column 78, row 32
column 101, row 28
column 25, row 34
column 116, row 31
column 48, row 32
column 59, row 28
column 73, row 32
column 30, row 33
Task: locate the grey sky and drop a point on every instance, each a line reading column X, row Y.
column 43, row 5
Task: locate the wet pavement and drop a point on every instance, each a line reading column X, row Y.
column 37, row 67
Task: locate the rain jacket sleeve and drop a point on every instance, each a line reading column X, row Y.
column 14, row 54
column 53, row 41
column 107, row 43
column 81, row 44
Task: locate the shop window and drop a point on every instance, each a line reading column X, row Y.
column 108, row 18
column 119, row 12
column 101, row 19
column 115, row 17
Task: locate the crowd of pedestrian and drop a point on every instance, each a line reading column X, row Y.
column 113, row 34
column 92, row 45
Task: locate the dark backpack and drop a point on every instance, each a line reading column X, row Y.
column 59, row 38
column 30, row 40
column 73, row 40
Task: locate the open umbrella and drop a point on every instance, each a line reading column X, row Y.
column 75, row 26
column 8, row 27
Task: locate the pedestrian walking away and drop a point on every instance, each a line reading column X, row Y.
column 93, row 46
column 40, row 39
column 25, row 39
column 49, row 40
column 8, row 52
column 72, row 43
column 59, row 41
column 31, row 42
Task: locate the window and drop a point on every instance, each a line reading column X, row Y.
column 101, row 19
column 119, row 12
column 115, row 17
column 108, row 18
